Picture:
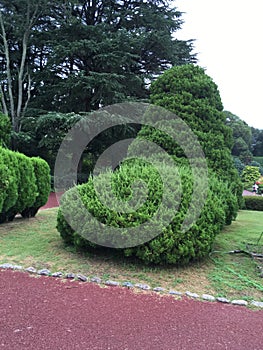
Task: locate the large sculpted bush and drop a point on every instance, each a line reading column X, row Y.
column 10, row 189
column 171, row 246
column 187, row 92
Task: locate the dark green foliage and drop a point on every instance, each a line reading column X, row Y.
column 5, row 130
column 259, row 160
column 248, row 141
column 246, row 157
column 83, row 54
column 42, row 135
column 171, row 246
column 257, row 146
column 104, row 52
column 253, row 203
column 42, row 174
column 242, row 134
column 238, row 165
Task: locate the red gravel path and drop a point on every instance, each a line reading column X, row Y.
column 52, row 201
column 46, row 313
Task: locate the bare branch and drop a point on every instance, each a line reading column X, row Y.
column 29, row 85
column 8, row 71
column 30, row 21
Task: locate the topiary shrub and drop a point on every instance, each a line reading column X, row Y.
column 9, row 188
column 190, row 94
column 171, row 246
column 27, row 188
column 24, row 184
column 253, row 203
column 43, row 183
column 5, row 176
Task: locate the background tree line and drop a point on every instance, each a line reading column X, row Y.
column 248, row 143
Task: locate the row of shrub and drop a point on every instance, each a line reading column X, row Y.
column 253, row 203
column 24, row 184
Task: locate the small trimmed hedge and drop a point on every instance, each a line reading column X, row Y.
column 5, row 179
column 10, row 191
column 253, row 203
column 42, row 175
column 25, row 184
column 171, row 246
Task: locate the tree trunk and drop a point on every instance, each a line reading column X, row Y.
column 8, row 72
column 16, row 110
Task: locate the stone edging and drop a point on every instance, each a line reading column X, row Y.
column 146, row 287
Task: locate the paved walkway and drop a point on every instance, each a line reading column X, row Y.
column 249, row 193
column 52, row 201
column 43, row 313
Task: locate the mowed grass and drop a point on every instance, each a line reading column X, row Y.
column 36, row 242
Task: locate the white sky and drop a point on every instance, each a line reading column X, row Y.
column 229, row 40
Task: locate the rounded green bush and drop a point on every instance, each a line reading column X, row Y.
column 5, row 177
column 10, row 189
column 27, row 188
column 22, row 191
column 171, row 246
column 43, row 183
column 25, row 184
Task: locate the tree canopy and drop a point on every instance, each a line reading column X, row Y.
column 257, row 142
column 76, row 56
column 242, row 135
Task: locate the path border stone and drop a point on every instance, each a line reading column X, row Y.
column 94, row 279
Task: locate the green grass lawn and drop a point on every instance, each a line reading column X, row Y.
column 37, row 243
